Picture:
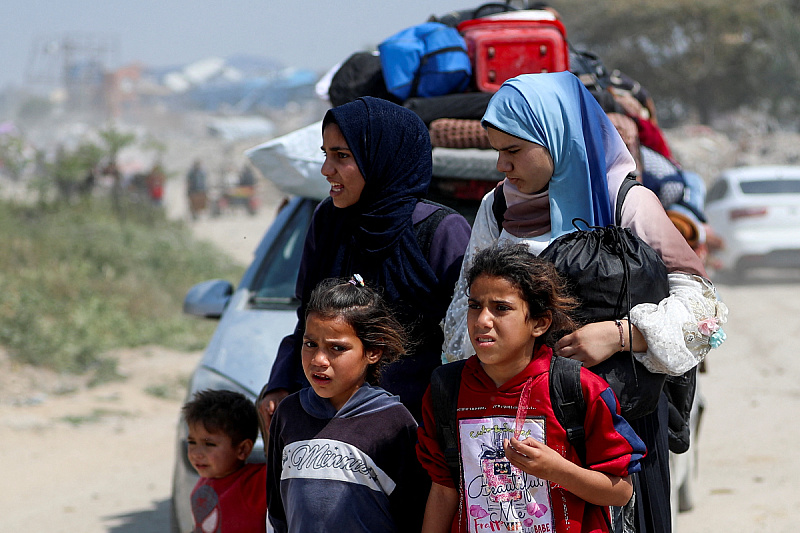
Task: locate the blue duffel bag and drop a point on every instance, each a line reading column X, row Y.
column 426, row 60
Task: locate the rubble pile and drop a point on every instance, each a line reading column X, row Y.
column 738, row 139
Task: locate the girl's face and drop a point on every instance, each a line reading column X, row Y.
column 499, row 327
column 334, row 359
column 527, row 165
column 213, row 455
column 340, row 168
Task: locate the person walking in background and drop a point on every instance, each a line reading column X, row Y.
column 155, row 182
column 197, row 189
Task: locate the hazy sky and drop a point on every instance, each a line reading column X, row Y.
column 304, row 33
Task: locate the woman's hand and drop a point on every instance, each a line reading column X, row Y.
column 535, row 458
column 594, row 343
column 266, row 405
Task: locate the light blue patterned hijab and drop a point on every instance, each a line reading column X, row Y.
column 590, row 159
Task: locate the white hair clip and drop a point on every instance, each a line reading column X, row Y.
column 357, row 280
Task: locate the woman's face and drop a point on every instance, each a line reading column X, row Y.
column 527, row 165
column 340, row 168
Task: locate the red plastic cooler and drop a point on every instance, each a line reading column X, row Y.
column 501, row 48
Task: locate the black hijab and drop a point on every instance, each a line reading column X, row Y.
column 375, row 236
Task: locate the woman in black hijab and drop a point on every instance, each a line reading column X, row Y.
column 375, row 223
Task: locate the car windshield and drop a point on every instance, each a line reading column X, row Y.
column 772, row 186
column 275, row 281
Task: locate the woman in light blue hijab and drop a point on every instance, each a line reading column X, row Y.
column 589, row 157
column 563, row 159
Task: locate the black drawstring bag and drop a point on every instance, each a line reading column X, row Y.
column 610, row 270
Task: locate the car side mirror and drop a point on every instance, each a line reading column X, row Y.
column 208, row 299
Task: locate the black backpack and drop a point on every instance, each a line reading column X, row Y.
column 359, row 75
column 637, row 389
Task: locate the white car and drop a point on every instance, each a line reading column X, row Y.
column 756, row 211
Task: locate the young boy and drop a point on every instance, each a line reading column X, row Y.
column 230, row 496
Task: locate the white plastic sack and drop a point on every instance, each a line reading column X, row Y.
column 293, row 162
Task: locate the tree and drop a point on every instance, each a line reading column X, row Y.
column 13, row 156
column 707, row 56
column 115, row 141
column 71, row 170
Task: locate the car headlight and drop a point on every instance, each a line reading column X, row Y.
column 205, row 378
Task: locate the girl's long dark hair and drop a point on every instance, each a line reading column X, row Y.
column 367, row 313
column 540, row 284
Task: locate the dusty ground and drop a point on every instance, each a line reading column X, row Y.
column 100, row 459
column 91, row 460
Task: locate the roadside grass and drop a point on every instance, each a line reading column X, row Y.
column 79, row 280
column 169, row 389
column 95, row 416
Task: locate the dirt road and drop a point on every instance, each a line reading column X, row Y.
column 100, row 460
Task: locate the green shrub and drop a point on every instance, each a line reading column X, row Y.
column 77, row 281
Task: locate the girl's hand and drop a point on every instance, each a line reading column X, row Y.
column 594, row 343
column 535, row 458
column 540, row 460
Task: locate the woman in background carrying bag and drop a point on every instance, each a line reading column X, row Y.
column 563, row 159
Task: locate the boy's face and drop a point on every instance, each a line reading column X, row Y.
column 213, row 455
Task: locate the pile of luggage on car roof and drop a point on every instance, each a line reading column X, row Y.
column 448, row 68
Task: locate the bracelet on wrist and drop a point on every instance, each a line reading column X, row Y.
column 621, row 335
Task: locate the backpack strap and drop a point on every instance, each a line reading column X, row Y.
column 426, row 228
column 445, row 383
column 424, row 60
column 499, row 206
column 627, row 184
column 566, row 397
column 569, row 406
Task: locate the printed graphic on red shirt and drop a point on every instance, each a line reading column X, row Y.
column 205, row 506
column 499, row 497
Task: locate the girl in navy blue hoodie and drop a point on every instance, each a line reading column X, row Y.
column 341, row 452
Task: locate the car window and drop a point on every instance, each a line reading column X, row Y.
column 276, row 279
column 771, row 186
column 717, row 191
